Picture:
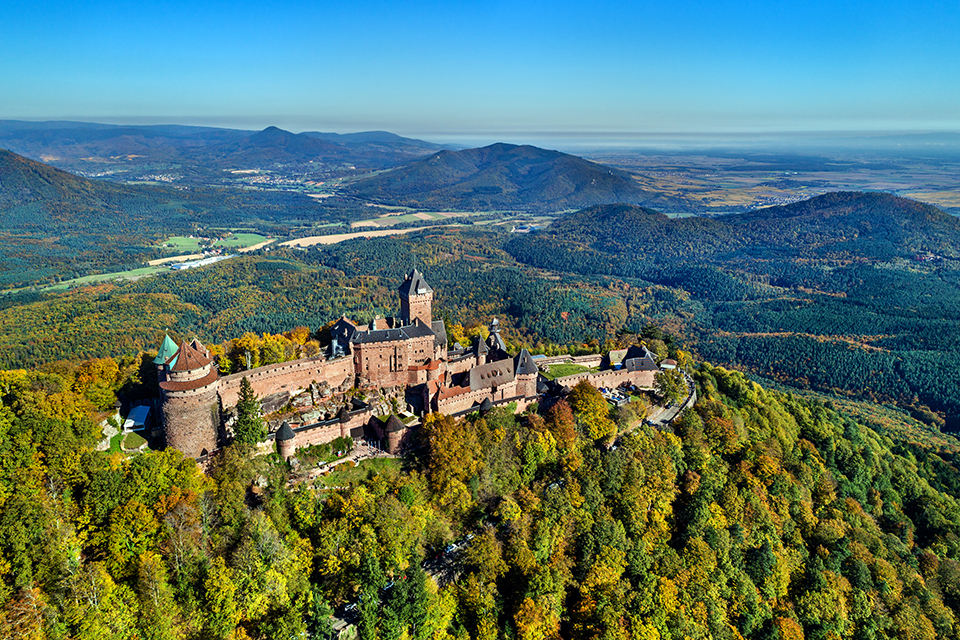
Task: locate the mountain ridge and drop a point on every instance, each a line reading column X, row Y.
column 500, row 176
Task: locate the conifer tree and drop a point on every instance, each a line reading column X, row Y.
column 249, row 428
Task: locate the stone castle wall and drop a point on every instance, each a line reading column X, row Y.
column 461, row 364
column 464, row 401
column 610, row 379
column 324, row 432
column 287, row 376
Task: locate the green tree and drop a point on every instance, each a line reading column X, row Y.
column 592, row 411
column 220, row 606
column 319, row 616
column 671, row 385
column 249, row 428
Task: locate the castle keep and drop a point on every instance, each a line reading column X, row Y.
column 406, row 359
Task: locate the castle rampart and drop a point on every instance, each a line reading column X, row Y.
column 643, row 379
column 287, row 376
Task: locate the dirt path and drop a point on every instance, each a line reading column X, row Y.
column 340, row 237
column 192, row 256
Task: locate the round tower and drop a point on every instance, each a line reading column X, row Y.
column 286, row 441
column 190, row 403
column 343, row 417
column 394, row 434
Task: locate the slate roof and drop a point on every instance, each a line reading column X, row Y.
column 640, row 359
column 189, row 357
column 480, row 347
column 486, row 405
column 284, row 432
column 440, row 331
column 343, row 415
column 418, row 329
column 496, row 342
column 415, row 284
column 167, row 348
column 490, row 374
column 524, row 364
column 385, row 335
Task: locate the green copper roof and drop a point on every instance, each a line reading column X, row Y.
column 167, row 348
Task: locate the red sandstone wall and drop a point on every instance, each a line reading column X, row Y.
column 318, row 435
column 642, row 379
column 330, row 432
column 192, row 422
column 287, row 376
column 417, row 306
column 460, row 366
column 374, row 360
column 464, row 401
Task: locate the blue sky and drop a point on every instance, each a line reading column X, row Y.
column 441, row 69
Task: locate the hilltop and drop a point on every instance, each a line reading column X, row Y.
column 500, row 176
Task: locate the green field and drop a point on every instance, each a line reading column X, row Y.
column 106, row 277
column 241, row 240
column 183, row 244
column 555, row 371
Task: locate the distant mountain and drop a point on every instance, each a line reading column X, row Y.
column 500, row 176
column 33, row 194
column 201, row 154
column 273, row 145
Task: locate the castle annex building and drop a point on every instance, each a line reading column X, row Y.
column 405, row 358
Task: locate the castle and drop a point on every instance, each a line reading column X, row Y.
column 406, row 358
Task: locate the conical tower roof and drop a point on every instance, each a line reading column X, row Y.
column 284, row 433
column 525, row 364
column 190, row 356
column 394, row 424
column 167, row 348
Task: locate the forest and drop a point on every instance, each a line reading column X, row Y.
column 759, row 515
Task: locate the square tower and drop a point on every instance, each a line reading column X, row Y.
column 416, row 299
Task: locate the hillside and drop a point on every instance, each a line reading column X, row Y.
column 500, row 176
column 853, row 293
column 55, row 225
column 758, row 515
